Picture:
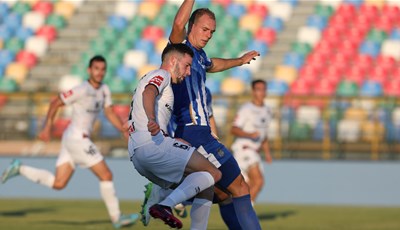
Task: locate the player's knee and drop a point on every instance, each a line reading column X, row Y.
column 107, row 176
column 59, row 185
column 216, row 174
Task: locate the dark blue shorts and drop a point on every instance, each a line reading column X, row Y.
column 201, row 135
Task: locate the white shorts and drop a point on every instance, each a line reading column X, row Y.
column 246, row 158
column 79, row 151
column 162, row 162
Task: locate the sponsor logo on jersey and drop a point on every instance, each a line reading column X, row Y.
column 68, row 93
column 157, row 80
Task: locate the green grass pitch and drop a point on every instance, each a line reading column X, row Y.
column 32, row 214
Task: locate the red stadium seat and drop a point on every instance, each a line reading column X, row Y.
column 370, row 11
column 347, row 10
column 333, row 33
column 325, row 48
column 385, row 23
column 153, row 33
column 27, row 58
column 43, row 7
column 300, row 88
column 355, row 35
column 392, row 88
column 386, row 62
column 391, row 11
column 48, row 32
column 308, row 73
column 379, row 74
column 324, row 87
column 122, row 111
column 266, row 35
column 364, row 61
column 332, row 73
column 396, row 74
column 3, row 99
column 224, row 3
column 258, row 9
column 355, row 74
column 340, row 22
column 316, row 60
column 342, row 58
column 362, row 22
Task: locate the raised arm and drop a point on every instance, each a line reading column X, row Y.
column 45, row 133
column 178, row 32
column 149, row 99
column 220, row 64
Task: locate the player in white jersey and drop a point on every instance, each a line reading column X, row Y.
column 163, row 160
column 87, row 100
column 250, row 128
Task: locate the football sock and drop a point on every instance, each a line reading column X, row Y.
column 190, row 186
column 39, row 176
column 228, row 215
column 247, row 216
column 107, row 192
column 199, row 213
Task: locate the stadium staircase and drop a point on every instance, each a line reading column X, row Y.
column 72, row 41
column 285, row 39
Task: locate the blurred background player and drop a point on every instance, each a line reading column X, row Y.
column 87, row 100
column 161, row 159
column 192, row 114
column 250, row 128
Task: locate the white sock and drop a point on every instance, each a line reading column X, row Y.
column 190, row 186
column 107, row 192
column 39, row 176
column 199, row 214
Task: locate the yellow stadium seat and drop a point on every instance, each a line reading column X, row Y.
column 232, row 86
column 145, row 69
column 149, row 9
column 17, row 71
column 250, row 22
column 285, row 73
column 371, row 130
column 378, row 3
column 65, row 9
column 356, row 114
column 1, row 44
column 161, row 44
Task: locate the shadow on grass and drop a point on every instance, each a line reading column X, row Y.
column 78, row 223
column 24, row 212
column 275, row 215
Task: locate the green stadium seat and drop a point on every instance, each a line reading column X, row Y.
column 117, row 85
column 56, row 20
column 347, row 89
column 323, row 10
column 109, row 34
column 299, row 132
column 301, row 48
column 376, row 35
column 100, row 46
column 14, row 45
column 218, row 10
column 139, row 23
column 21, row 7
column 8, row 85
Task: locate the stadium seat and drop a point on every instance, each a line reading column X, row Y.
column 122, row 111
column 144, row 45
column 243, row 74
column 149, row 9
column 376, row 35
column 261, row 47
column 56, row 20
column 153, row 33
column 395, row 34
column 347, row 89
column 117, row 85
column 293, row 59
column 12, row 21
column 252, row 23
column 24, row 33
column 135, row 59
column 391, row 11
column 392, row 88
column 308, row 73
column 301, row 47
column 379, row 74
column 276, row 87
column 348, row 131
column 64, row 8
column 117, row 22
column 371, row 88
column 385, row 23
column 364, row 61
column 300, row 88
column 126, row 9
column 323, row 10
column 299, row 132
column 5, row 33
column 370, row 48
column 43, row 7
column 391, row 48
column 8, row 85
column 274, row 23
column 285, row 73
column 14, row 44
column 6, row 57
column 37, row 45
column 316, row 21
column 281, row 10
column 233, row 86
column 236, row 10
column 258, row 9
column 372, row 131
column 48, row 32
column 21, row 7
column 126, row 73
column 309, row 115
column 27, row 58
column 214, row 85
column 324, row 87
column 17, row 71
column 356, row 74
column 145, row 69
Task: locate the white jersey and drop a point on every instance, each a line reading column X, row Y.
column 139, row 133
column 86, row 103
column 251, row 118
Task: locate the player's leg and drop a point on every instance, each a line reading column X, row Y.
column 201, row 207
column 256, row 181
column 109, row 197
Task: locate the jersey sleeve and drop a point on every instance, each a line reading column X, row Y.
column 73, row 94
column 159, row 81
column 241, row 117
column 107, row 96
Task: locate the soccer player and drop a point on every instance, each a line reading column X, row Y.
column 87, row 100
column 163, row 160
column 192, row 113
column 250, row 129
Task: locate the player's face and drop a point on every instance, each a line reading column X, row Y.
column 202, row 31
column 181, row 69
column 97, row 71
column 259, row 91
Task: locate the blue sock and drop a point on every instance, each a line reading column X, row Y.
column 228, row 214
column 247, row 217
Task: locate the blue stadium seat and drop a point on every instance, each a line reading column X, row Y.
column 274, row 23
column 356, row 3
column 155, row 59
column 4, row 10
column 318, row 132
column 125, row 73
column 293, row 3
column 259, row 46
column 2, row 71
column 6, row 57
column 13, row 21
column 370, row 48
column 317, row 21
column 277, row 87
column 236, row 10
column 107, row 130
column 214, row 85
column 5, row 32
column 118, row 22
column 24, row 33
column 144, row 45
column 371, row 89
column 242, row 73
column 395, row 34
column 294, row 59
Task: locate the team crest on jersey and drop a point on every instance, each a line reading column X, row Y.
column 157, row 80
column 68, row 93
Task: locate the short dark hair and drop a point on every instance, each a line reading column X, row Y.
column 179, row 47
column 97, row 58
column 197, row 14
column 254, row 82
